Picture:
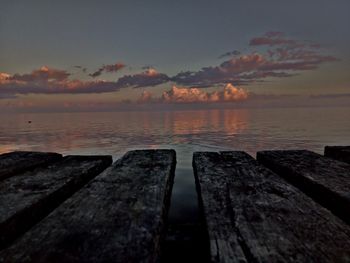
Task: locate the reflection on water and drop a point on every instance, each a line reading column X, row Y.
column 115, row 133
column 186, row 131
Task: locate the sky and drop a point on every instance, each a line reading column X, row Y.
column 105, row 55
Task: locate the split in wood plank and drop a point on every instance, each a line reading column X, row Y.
column 27, row 198
column 117, row 217
column 16, row 162
column 340, row 153
column 253, row 215
column 326, row 180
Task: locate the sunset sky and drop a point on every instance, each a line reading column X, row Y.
column 107, row 55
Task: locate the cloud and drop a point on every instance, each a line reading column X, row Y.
column 230, row 54
column 239, row 70
column 146, row 67
column 108, row 69
column 7, row 96
column 195, row 95
column 53, row 81
column 83, row 69
column 50, row 81
column 146, row 96
column 284, row 57
column 279, row 57
column 272, row 39
column 44, row 74
column 148, row 78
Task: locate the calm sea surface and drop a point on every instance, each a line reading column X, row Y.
column 186, row 131
column 115, row 133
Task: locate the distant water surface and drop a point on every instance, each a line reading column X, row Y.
column 115, row 133
column 186, row 131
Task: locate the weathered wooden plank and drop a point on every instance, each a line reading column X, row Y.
column 253, row 215
column 27, row 198
column 326, row 180
column 340, row 153
column 118, row 217
column 16, row 162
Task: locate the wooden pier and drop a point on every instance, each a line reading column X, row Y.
column 286, row 206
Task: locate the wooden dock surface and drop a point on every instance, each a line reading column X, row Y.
column 119, row 216
column 325, row 180
column 17, row 162
column 286, row 206
column 27, row 198
column 253, row 215
column 340, row 153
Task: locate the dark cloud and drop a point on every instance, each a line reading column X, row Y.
column 7, row 96
column 146, row 67
column 96, row 73
column 240, row 70
column 82, row 68
column 148, row 78
column 230, row 54
column 50, row 81
column 108, row 69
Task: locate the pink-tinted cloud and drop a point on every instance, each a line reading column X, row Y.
column 195, row 95
column 44, row 74
column 108, row 68
column 272, row 39
column 239, row 70
column 285, row 57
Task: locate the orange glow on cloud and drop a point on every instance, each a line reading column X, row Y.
column 196, row 95
column 145, row 96
column 188, row 95
column 151, row 72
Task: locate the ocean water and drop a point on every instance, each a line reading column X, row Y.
column 115, row 133
column 186, row 131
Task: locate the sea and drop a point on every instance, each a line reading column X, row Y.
column 115, row 133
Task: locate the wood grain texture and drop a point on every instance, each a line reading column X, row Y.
column 340, row 153
column 118, row 217
column 253, row 215
column 16, row 162
column 326, row 180
column 27, row 198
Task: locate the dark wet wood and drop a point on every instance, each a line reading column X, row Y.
column 118, row 217
column 326, row 180
column 253, row 215
column 16, row 162
column 340, row 153
column 27, row 198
